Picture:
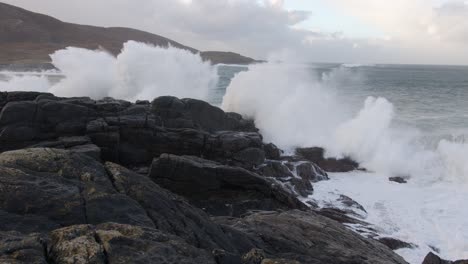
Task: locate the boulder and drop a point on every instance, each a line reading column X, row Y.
column 308, row 238
column 196, row 114
column 316, row 155
column 398, row 179
column 220, row 189
column 432, row 258
column 117, row 243
column 19, row 248
column 395, row 244
column 170, row 212
column 61, row 187
column 272, row 152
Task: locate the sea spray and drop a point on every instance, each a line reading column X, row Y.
column 140, row 71
column 289, row 105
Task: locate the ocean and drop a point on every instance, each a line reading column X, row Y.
column 395, row 120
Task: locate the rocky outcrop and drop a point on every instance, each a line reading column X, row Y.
column 297, row 176
column 196, row 114
column 199, row 186
column 316, row 155
column 117, row 243
column 432, row 258
column 220, row 189
column 307, row 238
column 130, row 134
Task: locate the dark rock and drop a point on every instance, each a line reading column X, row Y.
column 280, row 261
column 255, row 256
column 310, row 172
column 316, row 155
column 25, row 224
column 90, row 150
column 168, row 211
column 272, row 152
column 350, row 203
column 275, row 169
column 432, row 258
column 69, row 142
column 142, row 102
column 341, row 216
column 219, row 189
column 64, row 187
column 15, row 112
column 223, row 257
column 191, row 113
column 398, row 179
column 309, row 238
column 250, row 157
column 16, row 247
column 117, row 243
column 394, row 243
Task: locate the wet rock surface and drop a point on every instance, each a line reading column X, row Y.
column 308, row 238
column 432, row 258
column 316, row 155
column 172, row 181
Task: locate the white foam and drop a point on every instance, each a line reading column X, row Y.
column 424, row 215
column 140, row 71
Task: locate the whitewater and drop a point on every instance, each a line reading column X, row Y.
column 384, row 117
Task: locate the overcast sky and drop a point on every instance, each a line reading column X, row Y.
column 352, row 31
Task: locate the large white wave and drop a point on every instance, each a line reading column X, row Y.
column 140, row 71
column 293, row 109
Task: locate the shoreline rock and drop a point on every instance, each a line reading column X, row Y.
column 206, row 188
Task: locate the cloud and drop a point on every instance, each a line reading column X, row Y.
column 413, row 31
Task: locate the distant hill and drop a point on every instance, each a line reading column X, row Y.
column 28, row 37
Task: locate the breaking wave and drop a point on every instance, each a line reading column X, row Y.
column 140, row 71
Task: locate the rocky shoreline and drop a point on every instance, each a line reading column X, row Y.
column 168, row 181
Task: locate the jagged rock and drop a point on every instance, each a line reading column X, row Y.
column 219, row 189
column 223, row 257
column 309, row 238
column 341, row 216
column 272, row 152
column 316, row 155
column 64, row 187
column 310, row 172
column 432, row 258
column 117, row 243
column 255, row 256
column 90, row 150
column 394, row 243
column 192, row 113
column 6, row 97
column 168, row 211
column 275, row 169
column 296, row 176
column 21, row 248
column 25, row 224
column 350, row 203
column 398, row 179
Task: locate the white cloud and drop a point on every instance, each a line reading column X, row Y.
column 415, row 31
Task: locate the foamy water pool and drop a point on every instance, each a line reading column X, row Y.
column 430, row 216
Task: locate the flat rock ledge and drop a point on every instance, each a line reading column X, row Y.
column 171, row 181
